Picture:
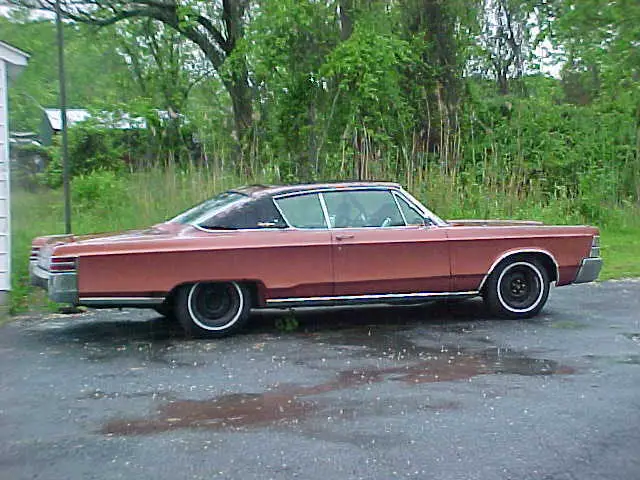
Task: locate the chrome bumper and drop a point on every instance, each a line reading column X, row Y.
column 589, row 270
column 62, row 287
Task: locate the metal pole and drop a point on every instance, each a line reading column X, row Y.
column 63, row 114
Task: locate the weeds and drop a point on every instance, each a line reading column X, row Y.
column 288, row 322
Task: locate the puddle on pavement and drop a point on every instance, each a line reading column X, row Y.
column 398, row 360
column 234, row 411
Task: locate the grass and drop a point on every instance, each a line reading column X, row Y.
column 621, row 253
column 108, row 202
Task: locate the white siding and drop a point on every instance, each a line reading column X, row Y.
column 5, row 276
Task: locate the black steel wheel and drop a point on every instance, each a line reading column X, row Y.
column 517, row 288
column 212, row 309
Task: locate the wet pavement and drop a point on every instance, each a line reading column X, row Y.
column 440, row 391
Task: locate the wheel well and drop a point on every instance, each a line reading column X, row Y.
column 252, row 286
column 545, row 260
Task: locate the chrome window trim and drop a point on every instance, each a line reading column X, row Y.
column 516, row 252
column 414, row 206
column 394, row 190
column 395, row 199
column 334, row 189
column 281, row 213
column 435, row 220
column 325, row 211
column 232, row 230
column 391, row 189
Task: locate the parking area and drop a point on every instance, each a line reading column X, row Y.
column 437, row 391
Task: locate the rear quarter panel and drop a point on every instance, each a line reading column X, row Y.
column 283, row 263
column 475, row 250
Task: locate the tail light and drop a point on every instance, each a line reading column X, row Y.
column 63, row 264
column 595, row 247
column 34, row 254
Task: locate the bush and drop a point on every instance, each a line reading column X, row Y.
column 93, row 147
column 101, row 190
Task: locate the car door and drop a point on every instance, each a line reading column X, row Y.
column 377, row 249
column 300, row 257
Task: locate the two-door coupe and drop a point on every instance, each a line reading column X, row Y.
column 312, row 245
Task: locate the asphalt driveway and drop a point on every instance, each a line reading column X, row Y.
column 439, row 391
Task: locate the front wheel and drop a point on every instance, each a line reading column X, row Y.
column 208, row 309
column 517, row 288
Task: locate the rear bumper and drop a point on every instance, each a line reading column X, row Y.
column 589, row 270
column 61, row 287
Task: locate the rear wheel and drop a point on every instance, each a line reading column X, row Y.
column 517, row 288
column 212, row 309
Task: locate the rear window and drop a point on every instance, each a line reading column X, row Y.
column 209, row 208
column 253, row 213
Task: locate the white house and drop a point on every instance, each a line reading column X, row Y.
column 11, row 61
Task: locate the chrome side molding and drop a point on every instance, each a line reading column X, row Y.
column 371, row 298
column 112, row 302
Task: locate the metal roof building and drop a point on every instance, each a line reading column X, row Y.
column 11, row 61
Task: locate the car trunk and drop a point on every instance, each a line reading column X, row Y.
column 42, row 247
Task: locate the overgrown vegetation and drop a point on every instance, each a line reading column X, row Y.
column 452, row 99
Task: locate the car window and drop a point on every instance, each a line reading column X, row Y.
column 302, row 211
column 209, row 207
column 411, row 215
column 256, row 213
column 362, row 208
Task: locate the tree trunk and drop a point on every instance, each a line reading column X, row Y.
column 242, row 104
column 503, row 82
column 346, row 19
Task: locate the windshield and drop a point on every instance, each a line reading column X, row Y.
column 208, row 208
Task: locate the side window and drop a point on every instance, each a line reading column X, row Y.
column 302, row 211
column 411, row 215
column 362, row 208
column 259, row 213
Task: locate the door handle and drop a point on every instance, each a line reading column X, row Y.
column 344, row 236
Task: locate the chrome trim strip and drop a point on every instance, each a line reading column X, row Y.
column 516, row 252
column 281, row 213
column 325, row 211
column 234, row 230
column 121, row 301
column 370, row 297
column 395, row 200
column 337, row 189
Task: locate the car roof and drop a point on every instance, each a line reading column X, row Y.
column 272, row 190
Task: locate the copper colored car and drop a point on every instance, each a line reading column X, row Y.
column 313, row 245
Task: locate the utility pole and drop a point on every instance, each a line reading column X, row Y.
column 63, row 114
